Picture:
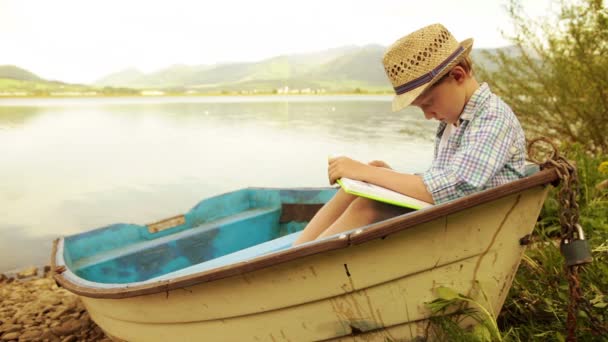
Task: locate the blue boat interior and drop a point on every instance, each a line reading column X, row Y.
column 218, row 231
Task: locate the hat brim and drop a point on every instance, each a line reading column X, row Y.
column 404, row 100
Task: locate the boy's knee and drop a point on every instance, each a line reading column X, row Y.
column 374, row 211
column 366, row 208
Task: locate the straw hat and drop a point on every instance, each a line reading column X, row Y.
column 416, row 61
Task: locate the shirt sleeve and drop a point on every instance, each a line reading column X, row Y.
column 484, row 151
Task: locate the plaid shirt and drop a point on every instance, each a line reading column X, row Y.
column 487, row 149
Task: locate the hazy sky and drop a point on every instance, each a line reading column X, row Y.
column 81, row 40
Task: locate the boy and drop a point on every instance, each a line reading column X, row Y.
column 479, row 142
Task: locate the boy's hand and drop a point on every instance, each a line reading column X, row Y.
column 379, row 163
column 345, row 167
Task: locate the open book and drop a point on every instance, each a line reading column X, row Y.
column 381, row 194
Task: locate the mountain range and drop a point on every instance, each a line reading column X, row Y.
column 345, row 68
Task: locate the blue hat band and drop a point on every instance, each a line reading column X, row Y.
column 426, row 78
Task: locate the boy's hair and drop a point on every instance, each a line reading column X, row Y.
column 466, row 63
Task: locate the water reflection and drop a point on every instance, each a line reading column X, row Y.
column 23, row 249
column 72, row 166
column 12, row 117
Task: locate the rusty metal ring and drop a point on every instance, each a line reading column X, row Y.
column 554, row 155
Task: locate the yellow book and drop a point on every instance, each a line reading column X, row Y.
column 381, row 194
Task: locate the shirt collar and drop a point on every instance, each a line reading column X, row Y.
column 479, row 97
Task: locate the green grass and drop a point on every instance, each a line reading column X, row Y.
column 40, row 87
column 536, row 307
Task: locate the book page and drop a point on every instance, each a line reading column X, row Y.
column 380, row 193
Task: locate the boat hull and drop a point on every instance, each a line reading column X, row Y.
column 370, row 290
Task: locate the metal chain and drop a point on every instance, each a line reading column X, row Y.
column 568, row 218
column 568, row 210
column 575, row 295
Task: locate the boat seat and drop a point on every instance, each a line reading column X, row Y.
column 183, row 235
column 271, row 246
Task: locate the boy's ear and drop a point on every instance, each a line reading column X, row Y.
column 458, row 74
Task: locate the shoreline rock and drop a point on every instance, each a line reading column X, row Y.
column 28, row 272
column 34, row 308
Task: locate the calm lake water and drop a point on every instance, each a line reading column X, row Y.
column 70, row 165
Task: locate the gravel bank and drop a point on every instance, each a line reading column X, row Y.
column 34, row 308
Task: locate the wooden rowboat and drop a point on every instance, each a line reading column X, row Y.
column 226, row 270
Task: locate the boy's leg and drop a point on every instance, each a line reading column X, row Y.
column 361, row 212
column 326, row 216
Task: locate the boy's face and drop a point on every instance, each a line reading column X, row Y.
column 445, row 101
